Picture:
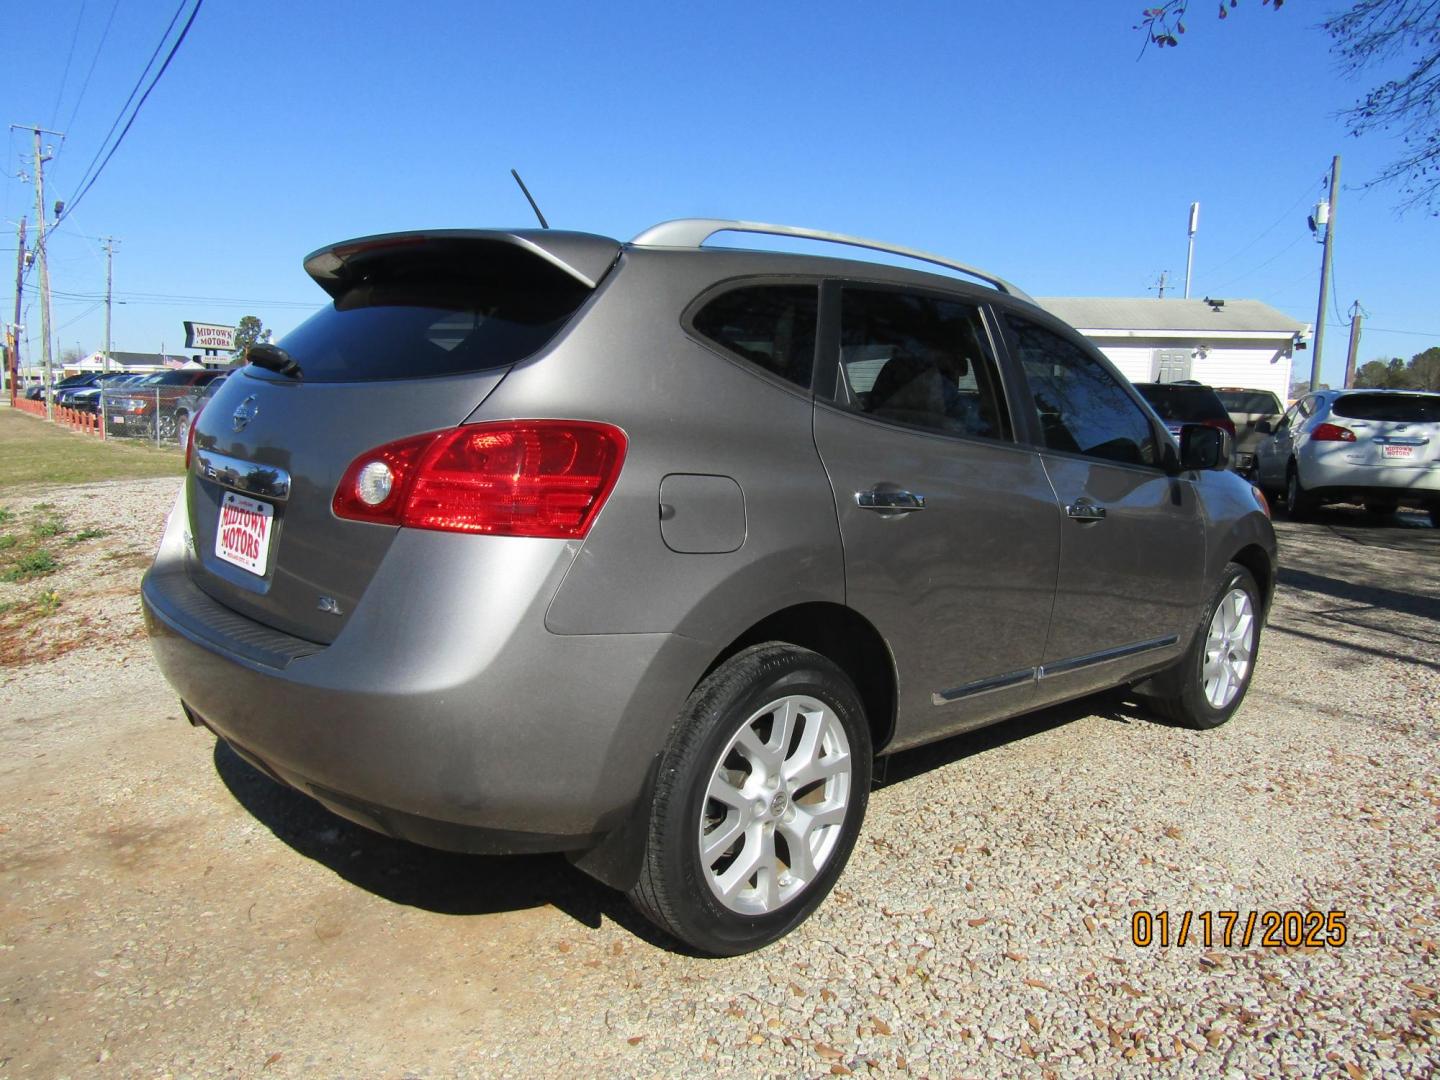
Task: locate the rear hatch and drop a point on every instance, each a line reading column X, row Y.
column 1178, row 404
column 423, row 327
column 1391, row 429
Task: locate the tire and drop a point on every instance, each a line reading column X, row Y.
column 1298, row 502
column 1208, row 684
column 724, row 776
column 182, row 427
column 1434, row 515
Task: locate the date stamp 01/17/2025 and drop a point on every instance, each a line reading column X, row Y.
column 1268, row 929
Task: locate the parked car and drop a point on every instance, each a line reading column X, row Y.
column 541, row 541
column 1380, row 448
column 1181, row 403
column 153, row 400
column 87, row 398
column 37, row 391
column 188, row 407
column 1246, row 409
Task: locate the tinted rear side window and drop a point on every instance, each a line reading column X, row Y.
column 1250, row 401
column 1184, row 404
column 487, row 308
column 772, row 326
column 1401, row 408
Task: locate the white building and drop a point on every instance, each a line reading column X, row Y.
column 1240, row 343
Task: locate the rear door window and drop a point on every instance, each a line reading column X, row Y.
column 769, row 325
column 1398, row 408
column 920, row 360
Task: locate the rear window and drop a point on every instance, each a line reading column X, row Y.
column 1250, row 401
column 483, row 309
column 1402, row 408
column 1183, row 404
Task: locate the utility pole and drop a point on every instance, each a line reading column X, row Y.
column 109, row 277
column 15, row 336
column 1190, row 255
column 1325, row 272
column 40, row 160
column 1357, row 315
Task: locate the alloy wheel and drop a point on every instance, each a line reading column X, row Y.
column 1229, row 648
column 775, row 806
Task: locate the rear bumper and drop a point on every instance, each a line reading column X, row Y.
column 435, row 715
column 1333, row 478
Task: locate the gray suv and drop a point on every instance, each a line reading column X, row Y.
column 539, row 541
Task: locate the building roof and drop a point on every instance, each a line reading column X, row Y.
column 1128, row 314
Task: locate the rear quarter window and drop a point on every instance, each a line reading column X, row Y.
column 771, row 326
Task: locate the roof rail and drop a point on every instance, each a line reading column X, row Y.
column 692, row 232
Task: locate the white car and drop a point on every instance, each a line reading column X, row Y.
column 1376, row 447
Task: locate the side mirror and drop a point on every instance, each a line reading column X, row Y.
column 1264, row 427
column 1204, row 447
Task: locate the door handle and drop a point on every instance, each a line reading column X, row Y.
column 889, row 502
column 1083, row 510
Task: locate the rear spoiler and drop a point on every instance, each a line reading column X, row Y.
column 584, row 257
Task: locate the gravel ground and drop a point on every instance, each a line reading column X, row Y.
column 168, row 911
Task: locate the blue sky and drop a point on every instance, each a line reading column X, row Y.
column 1024, row 138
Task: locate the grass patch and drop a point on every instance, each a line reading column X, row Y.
column 86, row 534
column 7, row 541
column 32, row 564
column 5, row 515
column 48, row 527
column 37, row 452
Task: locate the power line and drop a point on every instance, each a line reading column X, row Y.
column 138, row 106
column 70, row 124
column 133, row 91
column 1229, row 259
column 64, row 78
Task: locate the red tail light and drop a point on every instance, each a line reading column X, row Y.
column 513, row 478
column 190, row 437
column 1332, row 433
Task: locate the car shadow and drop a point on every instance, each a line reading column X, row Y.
column 454, row 884
column 1118, row 706
column 403, row 873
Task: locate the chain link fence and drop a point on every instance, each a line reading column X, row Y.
column 158, row 414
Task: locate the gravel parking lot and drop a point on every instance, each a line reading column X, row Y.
column 168, row 911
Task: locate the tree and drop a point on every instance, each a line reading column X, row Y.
column 249, row 331
column 1368, row 34
column 1420, row 372
column 71, row 356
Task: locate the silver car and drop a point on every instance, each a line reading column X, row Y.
column 1376, row 447
column 540, row 541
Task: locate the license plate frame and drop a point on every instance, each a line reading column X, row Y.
column 1391, row 450
column 244, row 529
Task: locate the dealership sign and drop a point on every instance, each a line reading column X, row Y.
column 205, row 336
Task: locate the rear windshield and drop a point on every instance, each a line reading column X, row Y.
column 1183, row 403
column 434, row 316
column 1403, row 408
column 1249, row 401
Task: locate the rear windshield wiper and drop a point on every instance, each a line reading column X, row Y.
column 273, row 358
